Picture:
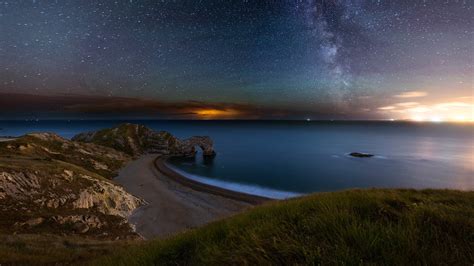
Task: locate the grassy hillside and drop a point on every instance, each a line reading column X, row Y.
column 402, row 227
column 49, row 249
column 47, row 147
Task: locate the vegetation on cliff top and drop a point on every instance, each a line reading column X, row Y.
column 398, row 227
column 131, row 139
column 48, row 147
column 136, row 140
column 50, row 185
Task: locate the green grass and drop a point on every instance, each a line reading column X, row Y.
column 398, row 227
column 122, row 137
column 36, row 249
column 58, row 149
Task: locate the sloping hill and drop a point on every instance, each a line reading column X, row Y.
column 50, row 185
column 48, row 146
column 397, row 227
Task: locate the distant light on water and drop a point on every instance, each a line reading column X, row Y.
column 418, row 118
column 460, row 118
column 436, row 119
column 439, row 119
column 460, row 109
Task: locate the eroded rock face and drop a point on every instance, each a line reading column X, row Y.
column 57, row 186
column 107, row 198
column 54, row 191
column 188, row 146
column 138, row 139
column 18, row 185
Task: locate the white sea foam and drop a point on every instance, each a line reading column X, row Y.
column 244, row 188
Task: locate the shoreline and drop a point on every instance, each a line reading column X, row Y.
column 160, row 164
column 174, row 203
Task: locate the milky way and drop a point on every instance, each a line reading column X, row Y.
column 323, row 58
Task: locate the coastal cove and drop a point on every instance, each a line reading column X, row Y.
column 102, row 189
column 236, row 132
column 99, row 195
column 280, row 159
column 173, row 202
column 109, row 184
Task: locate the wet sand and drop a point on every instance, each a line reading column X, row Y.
column 175, row 203
column 162, row 167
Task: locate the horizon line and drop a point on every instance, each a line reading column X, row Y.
column 233, row 120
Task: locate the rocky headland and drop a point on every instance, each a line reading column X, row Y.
column 136, row 140
column 52, row 185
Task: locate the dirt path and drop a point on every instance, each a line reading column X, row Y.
column 171, row 206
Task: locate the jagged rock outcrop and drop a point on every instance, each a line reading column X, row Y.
column 18, row 185
column 44, row 177
column 58, row 186
column 107, row 198
column 128, row 138
column 138, row 139
column 188, row 146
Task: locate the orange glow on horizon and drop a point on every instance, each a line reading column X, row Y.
column 216, row 113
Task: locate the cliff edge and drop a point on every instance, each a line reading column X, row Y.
column 136, row 140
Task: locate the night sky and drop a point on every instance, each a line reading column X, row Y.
column 295, row 59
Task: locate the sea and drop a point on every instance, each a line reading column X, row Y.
column 281, row 159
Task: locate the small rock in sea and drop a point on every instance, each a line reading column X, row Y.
column 361, row 155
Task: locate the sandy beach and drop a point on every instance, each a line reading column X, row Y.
column 174, row 203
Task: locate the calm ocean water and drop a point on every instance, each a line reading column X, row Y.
column 281, row 158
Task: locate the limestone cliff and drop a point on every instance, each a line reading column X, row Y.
column 57, row 186
column 138, row 139
column 50, row 184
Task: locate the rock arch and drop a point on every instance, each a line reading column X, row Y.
column 203, row 142
column 138, row 139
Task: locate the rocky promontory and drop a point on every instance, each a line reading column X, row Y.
column 136, row 140
column 52, row 185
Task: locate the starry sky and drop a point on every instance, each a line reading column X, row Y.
column 288, row 59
